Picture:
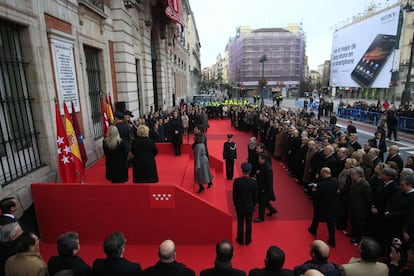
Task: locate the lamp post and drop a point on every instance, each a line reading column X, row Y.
column 263, row 59
column 238, row 84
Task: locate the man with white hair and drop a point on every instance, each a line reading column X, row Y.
column 359, row 204
column 373, row 153
column 393, row 155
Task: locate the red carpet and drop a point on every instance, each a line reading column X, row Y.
column 286, row 229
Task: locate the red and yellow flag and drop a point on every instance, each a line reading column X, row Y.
column 66, row 166
column 104, row 117
column 73, row 143
column 109, row 110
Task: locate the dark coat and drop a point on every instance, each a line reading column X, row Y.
column 74, row 263
column 244, row 195
column 326, row 199
column 169, row 269
column 269, row 272
column 124, row 131
column 155, row 135
column 399, row 209
column 6, row 251
column 359, row 199
column 397, row 159
column 222, row 272
column 229, row 151
column 176, row 130
column 383, row 194
column 381, row 146
column 116, row 162
column 329, row 162
column 265, row 182
column 143, row 164
column 116, row 267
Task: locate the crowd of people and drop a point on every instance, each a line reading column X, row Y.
column 366, row 191
column 362, row 190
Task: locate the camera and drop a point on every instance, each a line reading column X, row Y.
column 396, row 243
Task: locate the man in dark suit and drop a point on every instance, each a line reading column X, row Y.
column 398, row 210
column 379, row 143
column 176, row 129
column 167, row 265
column 229, row 155
column 373, row 154
column 394, row 156
column 353, row 143
column 381, row 197
column 325, row 204
column 359, row 203
column 115, row 264
column 123, row 128
column 8, row 233
column 222, row 264
column 68, row 248
column 341, row 155
column 244, row 199
column 8, row 207
column 275, row 258
column 264, row 176
column 328, row 160
column 351, row 129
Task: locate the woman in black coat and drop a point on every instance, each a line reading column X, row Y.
column 144, row 150
column 116, row 153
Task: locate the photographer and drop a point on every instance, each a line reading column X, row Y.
column 400, row 266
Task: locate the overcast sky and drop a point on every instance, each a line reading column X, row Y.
column 216, row 21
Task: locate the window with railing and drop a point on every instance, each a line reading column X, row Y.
column 19, row 152
column 94, row 88
column 97, row 4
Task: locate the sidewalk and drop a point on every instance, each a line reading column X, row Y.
column 290, row 103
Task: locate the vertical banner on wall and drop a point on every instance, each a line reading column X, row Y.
column 65, row 74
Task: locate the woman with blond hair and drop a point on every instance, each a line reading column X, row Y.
column 116, row 153
column 144, row 150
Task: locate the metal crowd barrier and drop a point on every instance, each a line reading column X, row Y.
column 405, row 124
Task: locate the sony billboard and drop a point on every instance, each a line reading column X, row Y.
column 363, row 53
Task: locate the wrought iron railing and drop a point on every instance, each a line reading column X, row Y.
column 95, row 3
column 19, row 152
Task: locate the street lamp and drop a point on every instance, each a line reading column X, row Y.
column 263, row 59
column 238, row 84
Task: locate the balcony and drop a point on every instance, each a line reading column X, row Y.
column 95, row 5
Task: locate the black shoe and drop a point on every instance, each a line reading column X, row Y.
column 332, row 243
column 248, row 242
column 271, row 213
column 258, row 220
column 209, row 185
column 239, row 241
column 397, row 139
column 200, row 190
column 313, row 232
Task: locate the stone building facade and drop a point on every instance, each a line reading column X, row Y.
column 144, row 54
